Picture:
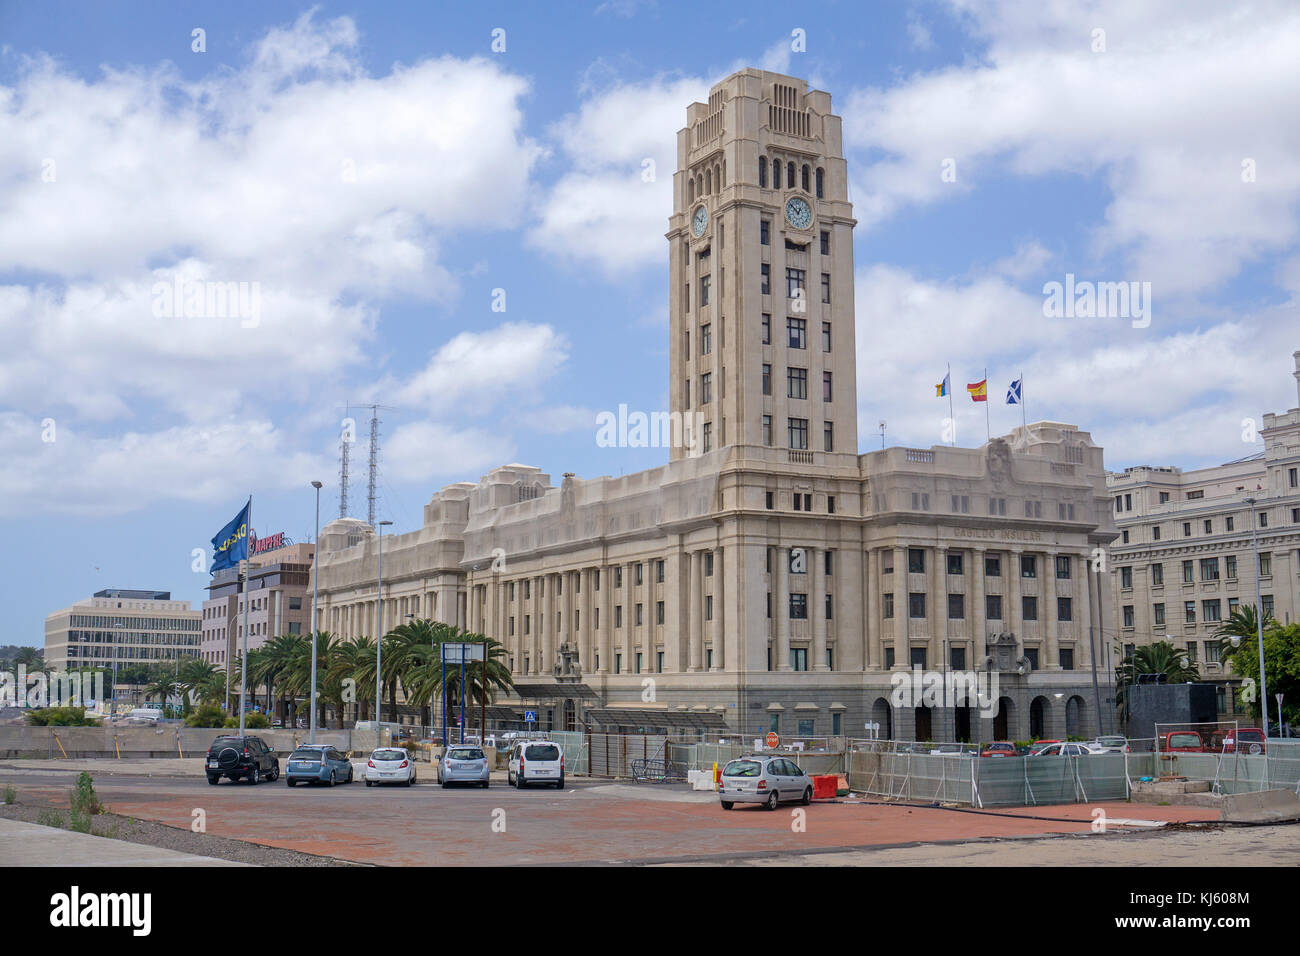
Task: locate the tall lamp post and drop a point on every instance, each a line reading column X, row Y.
column 1259, row 622
column 315, row 590
column 379, row 636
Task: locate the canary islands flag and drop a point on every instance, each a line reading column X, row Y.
column 941, row 389
column 230, row 546
column 979, row 391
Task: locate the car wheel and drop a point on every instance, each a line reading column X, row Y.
column 289, row 782
column 410, row 780
column 255, row 776
column 275, row 771
column 370, row 783
column 333, row 779
column 807, row 796
column 486, row 783
column 213, row 780
column 559, row 784
column 351, row 775
column 772, row 800
column 727, row 804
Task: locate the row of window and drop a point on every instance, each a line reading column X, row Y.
column 1209, row 570
column 135, row 623
column 800, row 173
column 956, row 564
column 765, row 238
column 1124, row 502
column 997, row 506
column 916, row 606
column 957, row 658
column 1211, row 611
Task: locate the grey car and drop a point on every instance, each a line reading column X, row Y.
column 318, row 763
column 765, row 779
column 464, row 763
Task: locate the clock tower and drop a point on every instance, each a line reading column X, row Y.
column 761, row 274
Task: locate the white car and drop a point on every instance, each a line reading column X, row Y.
column 536, row 761
column 390, row 765
column 1060, row 749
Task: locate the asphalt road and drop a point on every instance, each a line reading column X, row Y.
column 589, row 822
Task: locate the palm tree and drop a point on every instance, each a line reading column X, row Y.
column 296, row 680
column 164, row 684
column 29, row 657
column 354, row 661
column 275, row 663
column 201, row 680
column 1243, row 625
column 425, row 677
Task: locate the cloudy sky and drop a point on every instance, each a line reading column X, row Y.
column 446, row 213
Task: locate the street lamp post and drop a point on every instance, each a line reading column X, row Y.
column 1259, row 621
column 315, row 590
column 379, row 636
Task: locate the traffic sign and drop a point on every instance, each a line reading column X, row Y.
column 530, row 716
column 773, row 741
column 462, row 652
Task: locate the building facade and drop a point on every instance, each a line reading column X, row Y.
column 133, row 627
column 768, row 573
column 1185, row 559
column 279, row 602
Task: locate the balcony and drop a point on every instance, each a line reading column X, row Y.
column 797, row 457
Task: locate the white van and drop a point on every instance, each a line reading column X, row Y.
column 143, row 715
column 536, row 761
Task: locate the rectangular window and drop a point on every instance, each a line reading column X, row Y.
column 706, row 339
column 1210, row 611
column 798, row 607
column 1208, row 526
column 1164, row 497
column 1155, row 533
column 887, row 604
column 769, row 498
column 764, row 232
column 1263, row 519
column 992, row 566
column 915, row 561
column 1062, row 567
column 1064, row 609
column 917, row 657
column 1230, row 565
column 795, row 280
column 1187, row 529
column 798, row 428
column 799, row 662
column 828, row 436
column 706, row 388
column 1128, row 615
column 618, row 575
column 826, row 336
column 659, row 571
column 1028, row 566
column 1266, row 565
column 705, row 286
column 1158, row 614
column 796, row 333
column 889, row 658
column 767, row 433
column 708, row 607
column 765, row 280
column 826, row 251
column 708, row 437
column 767, row 329
column 637, row 615
column 1066, row 656
column 830, row 607
column 767, row 379
column 956, row 607
column 916, row 604
column 796, row 383
column 1209, row 569
column 1189, row 612
column 826, row 287
column 618, row 615
column 1126, row 578
column 830, row 501
column 1157, row 575
column 1189, row 572
column 956, row 564
column 1029, row 607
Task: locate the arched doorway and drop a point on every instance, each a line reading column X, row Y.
column 1004, row 720
column 924, row 725
column 961, row 724
column 1074, row 710
column 883, row 715
column 1038, row 718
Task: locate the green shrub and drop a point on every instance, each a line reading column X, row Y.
column 59, row 717
column 50, row 818
column 206, row 715
column 11, row 795
column 83, row 799
column 79, row 822
column 252, row 721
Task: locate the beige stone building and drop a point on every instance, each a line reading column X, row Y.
column 280, row 602
column 1185, row 558
column 770, row 575
column 132, row 626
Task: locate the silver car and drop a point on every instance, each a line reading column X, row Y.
column 765, row 779
column 464, row 763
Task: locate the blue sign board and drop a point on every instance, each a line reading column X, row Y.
column 530, row 716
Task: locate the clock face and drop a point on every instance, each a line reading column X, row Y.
column 699, row 221
column 798, row 213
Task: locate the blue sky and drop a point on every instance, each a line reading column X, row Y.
column 379, row 174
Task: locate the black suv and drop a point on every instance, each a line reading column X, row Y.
column 247, row 757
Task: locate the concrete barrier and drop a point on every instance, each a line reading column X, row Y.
column 1264, row 806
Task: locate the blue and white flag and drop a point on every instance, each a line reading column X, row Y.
column 230, row 546
column 1013, row 393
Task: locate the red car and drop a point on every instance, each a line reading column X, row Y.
column 1182, row 742
column 999, row 748
column 1250, row 740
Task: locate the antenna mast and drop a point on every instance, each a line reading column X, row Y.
column 348, row 435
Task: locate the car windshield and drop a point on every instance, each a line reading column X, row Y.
column 388, row 755
column 1184, row 740
column 226, row 742
column 742, row 768
column 1111, row 741
column 1250, row 734
column 465, row 753
column 312, row 755
column 542, row 752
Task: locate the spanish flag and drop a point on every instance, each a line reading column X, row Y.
column 979, row 391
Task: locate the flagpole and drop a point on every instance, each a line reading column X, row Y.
column 988, row 431
column 952, row 417
column 243, row 655
column 1024, row 418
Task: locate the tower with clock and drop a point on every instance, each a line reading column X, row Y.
column 761, row 272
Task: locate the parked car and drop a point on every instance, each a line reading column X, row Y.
column 1181, row 741
column 318, row 763
column 764, row 779
column 536, row 761
column 1000, row 748
column 238, row 757
column 1038, row 745
column 391, row 765
column 464, row 763
column 1110, row 744
column 1249, row 740
column 1061, row 749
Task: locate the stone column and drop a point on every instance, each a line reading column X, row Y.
column 817, row 612
column 696, row 648
column 629, row 611
column 720, row 593
column 606, row 630
column 902, row 619
column 1050, row 658
column 872, row 657
column 781, row 597
column 1011, row 615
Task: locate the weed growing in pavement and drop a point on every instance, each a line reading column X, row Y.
column 84, row 799
column 50, row 818
column 11, row 796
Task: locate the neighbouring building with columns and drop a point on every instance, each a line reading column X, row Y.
column 768, row 573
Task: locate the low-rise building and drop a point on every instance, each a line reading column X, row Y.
column 131, row 627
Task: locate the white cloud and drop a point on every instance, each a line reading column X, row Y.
column 421, row 451
column 1183, row 94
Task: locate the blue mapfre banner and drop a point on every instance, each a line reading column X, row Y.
column 230, row 546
